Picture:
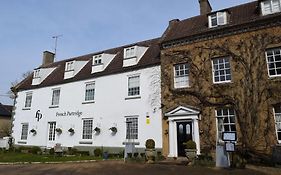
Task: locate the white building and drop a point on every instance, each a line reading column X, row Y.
column 118, row 88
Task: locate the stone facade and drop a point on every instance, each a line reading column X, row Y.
column 251, row 93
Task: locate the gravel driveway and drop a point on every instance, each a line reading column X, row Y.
column 115, row 168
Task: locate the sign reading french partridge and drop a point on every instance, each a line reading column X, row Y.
column 69, row 114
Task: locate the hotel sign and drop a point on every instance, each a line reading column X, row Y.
column 229, row 136
column 69, row 114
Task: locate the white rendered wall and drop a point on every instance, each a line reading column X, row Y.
column 109, row 109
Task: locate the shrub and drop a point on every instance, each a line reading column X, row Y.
column 72, row 151
column 71, row 130
column 59, row 130
column 34, row 150
column 190, row 144
column 52, row 151
column 18, row 149
column 97, row 129
column 150, row 144
column 121, row 153
column 83, row 153
column 113, row 129
column 97, row 152
column 204, row 160
column 142, row 154
column 136, row 155
column 129, row 155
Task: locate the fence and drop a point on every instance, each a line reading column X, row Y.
column 4, row 142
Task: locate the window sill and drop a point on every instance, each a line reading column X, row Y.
column 72, row 70
column 130, row 142
column 53, row 106
column 99, row 64
column 274, row 77
column 22, row 142
column 222, row 82
column 183, row 87
column 26, row 109
column 86, row 142
column 219, row 25
column 132, row 97
column 127, row 58
column 88, row 102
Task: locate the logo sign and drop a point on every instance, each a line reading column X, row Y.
column 38, row 115
column 229, row 136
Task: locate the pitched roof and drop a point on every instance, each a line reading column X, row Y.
column 5, row 110
column 150, row 58
column 198, row 25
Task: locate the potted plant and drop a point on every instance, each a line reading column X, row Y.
column 150, row 150
column 71, row 130
column 190, row 150
column 97, row 130
column 33, row 131
column 113, row 129
column 59, row 130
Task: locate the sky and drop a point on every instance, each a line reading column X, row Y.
column 27, row 28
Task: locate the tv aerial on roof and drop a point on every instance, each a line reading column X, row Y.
column 56, row 42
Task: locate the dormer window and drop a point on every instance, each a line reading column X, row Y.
column 217, row 19
column 39, row 75
column 72, row 68
column 36, row 73
column 129, row 52
column 132, row 55
column 101, row 61
column 97, row 59
column 69, row 66
column 270, row 6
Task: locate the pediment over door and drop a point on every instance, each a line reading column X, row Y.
column 182, row 111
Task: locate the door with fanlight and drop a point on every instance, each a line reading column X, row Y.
column 184, row 133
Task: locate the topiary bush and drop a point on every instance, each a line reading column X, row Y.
column 190, row 144
column 150, row 144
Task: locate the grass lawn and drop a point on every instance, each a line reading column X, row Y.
column 26, row 157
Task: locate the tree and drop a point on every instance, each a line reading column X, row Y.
column 12, row 92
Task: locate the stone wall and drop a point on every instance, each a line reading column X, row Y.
column 251, row 92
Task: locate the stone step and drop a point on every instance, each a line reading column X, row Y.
column 174, row 161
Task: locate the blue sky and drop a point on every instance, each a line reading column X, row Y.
column 27, row 27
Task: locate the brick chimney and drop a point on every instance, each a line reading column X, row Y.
column 205, row 7
column 48, row 58
column 173, row 21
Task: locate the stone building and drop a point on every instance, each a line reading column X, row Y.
column 221, row 72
